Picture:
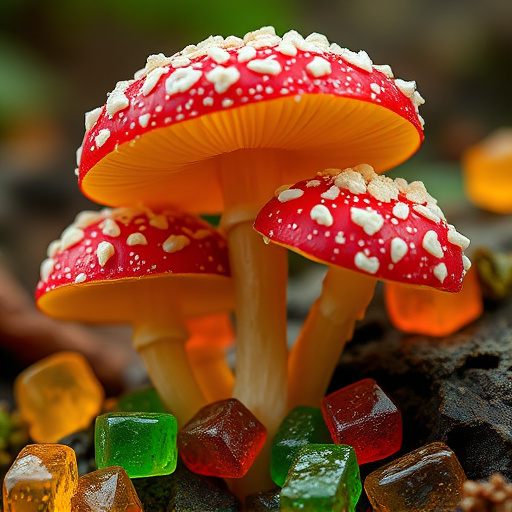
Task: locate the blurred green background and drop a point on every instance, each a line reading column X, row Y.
column 59, row 58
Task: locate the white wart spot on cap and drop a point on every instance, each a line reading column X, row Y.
column 401, row 210
column 466, row 262
column 289, row 194
column 104, row 252
column 91, row 117
column 319, row 67
column 219, row 55
column 182, row 80
column 175, row 243
column 399, row 249
column 457, row 238
column 331, row 194
column 136, row 239
column 109, row 227
column 287, row 48
column 431, row 244
column 265, row 66
column 102, row 137
column 426, row 212
column 440, row 271
column 80, row 278
column 152, row 79
column 223, row 78
column 246, row 53
column 352, row 181
column 321, row 214
column 368, row 264
column 46, row 268
column 117, row 99
column 144, row 120
column 70, row 237
column 369, row 220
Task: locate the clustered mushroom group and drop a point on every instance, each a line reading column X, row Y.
column 217, row 129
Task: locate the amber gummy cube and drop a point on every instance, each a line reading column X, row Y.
column 43, row 478
column 429, row 478
column 432, row 312
column 106, row 490
column 57, row 396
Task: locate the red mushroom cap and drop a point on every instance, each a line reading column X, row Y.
column 105, row 258
column 316, row 101
column 368, row 223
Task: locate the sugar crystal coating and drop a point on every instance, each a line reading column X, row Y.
column 429, row 478
column 222, row 439
column 364, row 417
column 43, row 478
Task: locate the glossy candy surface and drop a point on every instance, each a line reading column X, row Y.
column 144, row 444
column 363, row 416
column 222, row 439
column 58, row 395
column 303, row 425
column 432, row 312
column 427, row 479
column 106, row 490
column 323, row 478
column 43, row 478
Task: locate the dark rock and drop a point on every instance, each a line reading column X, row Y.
column 82, row 442
column 184, row 491
column 267, row 501
column 456, row 389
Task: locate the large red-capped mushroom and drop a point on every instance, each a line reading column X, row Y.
column 218, row 127
column 151, row 270
column 366, row 227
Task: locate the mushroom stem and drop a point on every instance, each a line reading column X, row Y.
column 259, row 274
column 330, row 324
column 163, row 353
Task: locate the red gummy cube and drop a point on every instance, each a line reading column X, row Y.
column 363, row 416
column 222, row 440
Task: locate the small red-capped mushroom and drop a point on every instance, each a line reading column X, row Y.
column 217, row 128
column 366, row 227
column 151, row 270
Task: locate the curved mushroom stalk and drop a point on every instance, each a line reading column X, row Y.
column 153, row 271
column 373, row 227
column 330, row 324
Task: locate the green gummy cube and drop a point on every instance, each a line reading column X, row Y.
column 324, row 477
column 303, row 425
column 144, row 444
column 140, row 400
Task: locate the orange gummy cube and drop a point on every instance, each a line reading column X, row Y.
column 107, row 490
column 43, row 478
column 487, row 170
column 57, row 396
column 432, row 312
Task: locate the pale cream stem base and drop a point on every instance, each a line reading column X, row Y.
column 330, row 324
column 161, row 346
column 259, row 271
